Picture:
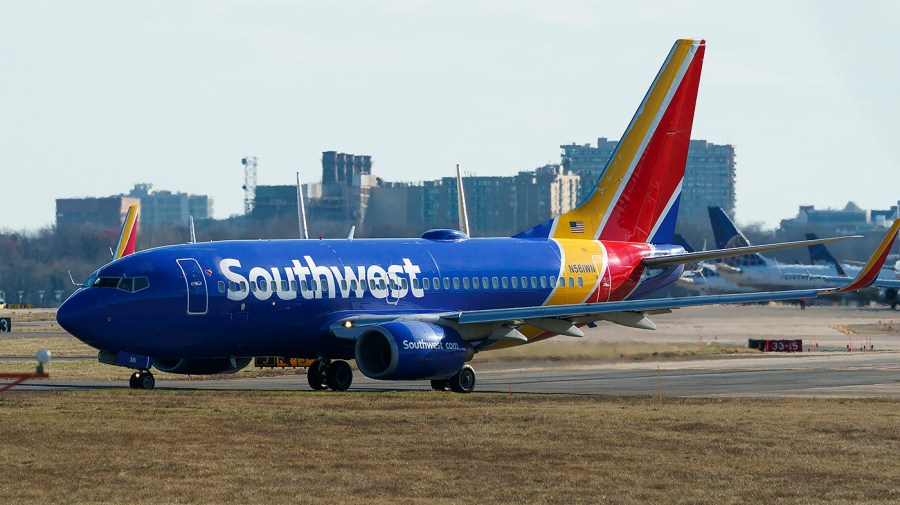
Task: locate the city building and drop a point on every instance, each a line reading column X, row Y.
column 106, row 212
column 850, row 220
column 160, row 206
column 709, row 174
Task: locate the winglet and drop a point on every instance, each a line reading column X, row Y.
column 127, row 237
column 870, row 272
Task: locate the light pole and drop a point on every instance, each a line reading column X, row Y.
column 21, row 292
column 41, row 297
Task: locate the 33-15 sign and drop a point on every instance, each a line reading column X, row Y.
column 784, row 346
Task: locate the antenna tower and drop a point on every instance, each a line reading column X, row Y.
column 249, row 182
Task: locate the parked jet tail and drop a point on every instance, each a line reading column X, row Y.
column 636, row 197
column 128, row 235
column 727, row 236
column 819, row 254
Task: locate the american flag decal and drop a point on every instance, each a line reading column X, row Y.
column 576, row 226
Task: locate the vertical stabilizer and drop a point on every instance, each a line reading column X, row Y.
column 636, row 197
column 128, row 235
column 728, row 236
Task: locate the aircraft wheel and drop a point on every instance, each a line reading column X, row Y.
column 147, row 381
column 440, row 384
column 463, row 381
column 315, row 375
column 133, row 380
column 339, row 376
column 894, row 306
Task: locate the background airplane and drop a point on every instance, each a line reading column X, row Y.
column 421, row 308
column 759, row 272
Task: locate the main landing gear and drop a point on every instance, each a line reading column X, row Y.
column 142, row 379
column 462, row 381
column 326, row 374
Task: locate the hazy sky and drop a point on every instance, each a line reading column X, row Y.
column 98, row 95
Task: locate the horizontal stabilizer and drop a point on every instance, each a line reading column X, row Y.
column 870, row 272
column 693, row 257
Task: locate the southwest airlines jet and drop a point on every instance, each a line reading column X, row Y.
column 420, row 308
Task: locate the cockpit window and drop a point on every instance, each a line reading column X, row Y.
column 129, row 284
column 106, row 282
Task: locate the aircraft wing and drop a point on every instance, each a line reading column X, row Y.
column 503, row 324
column 694, row 257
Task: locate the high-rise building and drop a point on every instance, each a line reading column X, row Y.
column 709, row 174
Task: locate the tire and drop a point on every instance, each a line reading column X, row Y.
column 133, row 381
column 440, row 384
column 339, row 376
column 315, row 377
column 463, row 381
column 147, row 381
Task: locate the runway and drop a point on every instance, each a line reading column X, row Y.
column 813, row 375
column 831, row 372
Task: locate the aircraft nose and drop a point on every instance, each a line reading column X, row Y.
column 75, row 313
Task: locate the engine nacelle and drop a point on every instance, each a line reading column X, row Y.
column 203, row 366
column 410, row 350
column 890, row 294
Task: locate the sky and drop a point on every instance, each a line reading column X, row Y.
column 96, row 96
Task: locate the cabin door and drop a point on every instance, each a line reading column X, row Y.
column 603, row 286
column 195, row 281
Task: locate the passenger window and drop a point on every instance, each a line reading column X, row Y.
column 353, row 284
column 475, row 283
column 343, row 284
column 126, row 284
column 553, row 280
column 426, row 283
column 495, row 283
column 533, row 282
column 325, row 286
column 580, row 283
column 253, row 286
column 232, row 286
column 141, row 283
column 293, row 285
column 381, row 284
column 404, row 284
column 284, row 285
column 524, row 282
column 543, row 281
column 313, row 285
column 504, row 282
column 243, row 286
column 304, row 286
column 446, row 283
column 416, row 283
column 372, row 284
column 456, row 283
column 484, row 282
column 515, row 282
column 263, row 285
column 465, row 283
column 436, row 282
column 571, row 282
column 221, row 285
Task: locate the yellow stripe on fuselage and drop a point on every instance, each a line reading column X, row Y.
column 592, row 211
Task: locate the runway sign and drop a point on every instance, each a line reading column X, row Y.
column 5, row 325
column 784, row 346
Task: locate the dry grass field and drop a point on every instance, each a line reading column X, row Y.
column 124, row 446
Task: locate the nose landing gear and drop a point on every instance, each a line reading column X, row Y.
column 326, row 374
column 142, row 379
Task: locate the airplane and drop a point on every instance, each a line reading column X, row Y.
column 422, row 308
column 758, row 272
column 703, row 277
column 884, row 290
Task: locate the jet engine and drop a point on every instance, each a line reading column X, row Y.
column 410, row 350
column 202, row 366
column 890, row 295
